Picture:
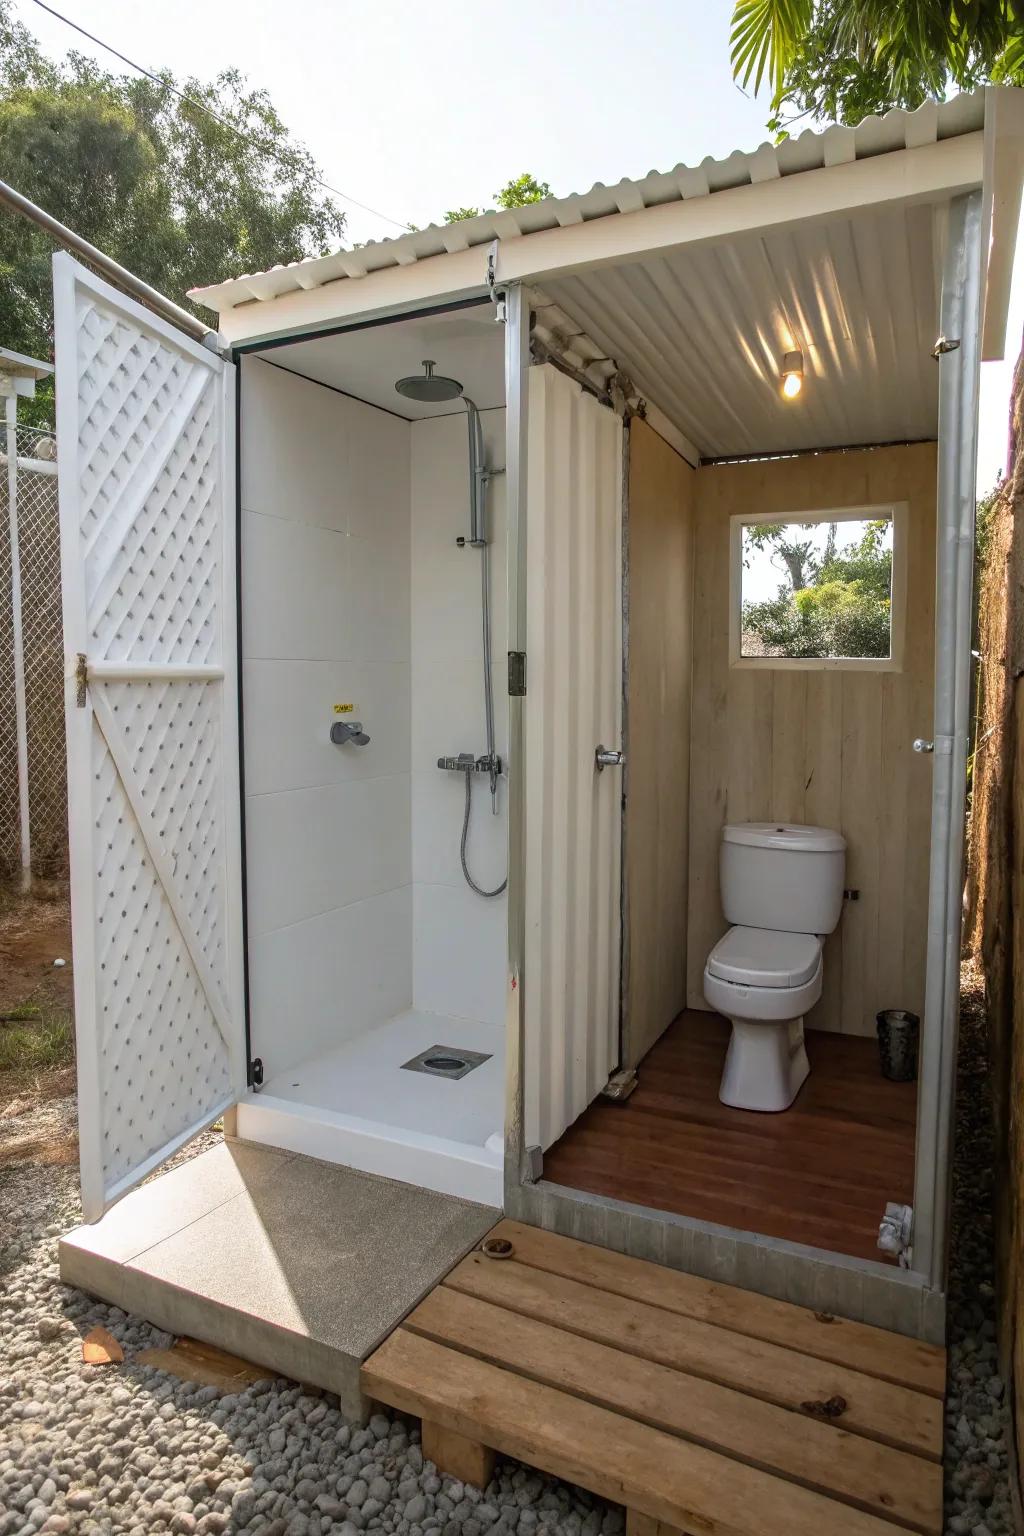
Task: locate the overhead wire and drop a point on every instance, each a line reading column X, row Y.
column 201, row 106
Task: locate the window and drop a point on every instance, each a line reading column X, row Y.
column 818, row 589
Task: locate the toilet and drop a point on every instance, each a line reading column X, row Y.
column 782, row 889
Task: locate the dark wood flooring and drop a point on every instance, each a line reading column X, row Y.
column 820, row 1173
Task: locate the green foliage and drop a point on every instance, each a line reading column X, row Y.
column 984, row 522
column 514, row 194
column 522, row 190
column 843, row 59
column 838, row 604
column 156, row 182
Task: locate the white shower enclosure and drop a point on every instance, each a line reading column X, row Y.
column 366, row 945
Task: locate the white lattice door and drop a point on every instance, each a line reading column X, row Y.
column 145, row 434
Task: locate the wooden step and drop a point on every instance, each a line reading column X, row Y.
column 698, row 1406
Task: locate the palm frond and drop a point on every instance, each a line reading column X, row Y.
column 764, row 38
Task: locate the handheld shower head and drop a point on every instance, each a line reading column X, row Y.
column 429, row 388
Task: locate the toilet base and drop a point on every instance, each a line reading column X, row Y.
column 766, row 1065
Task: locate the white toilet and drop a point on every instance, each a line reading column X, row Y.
column 782, row 888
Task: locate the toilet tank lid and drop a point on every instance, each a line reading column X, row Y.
column 788, row 835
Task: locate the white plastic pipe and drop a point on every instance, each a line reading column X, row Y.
column 18, row 642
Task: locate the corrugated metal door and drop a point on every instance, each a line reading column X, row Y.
column 146, row 474
column 573, row 705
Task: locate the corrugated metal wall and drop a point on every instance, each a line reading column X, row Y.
column 574, row 702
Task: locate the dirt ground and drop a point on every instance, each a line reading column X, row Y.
column 37, row 1109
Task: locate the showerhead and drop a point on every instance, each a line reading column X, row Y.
column 428, row 388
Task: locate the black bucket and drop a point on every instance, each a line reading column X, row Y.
column 898, row 1033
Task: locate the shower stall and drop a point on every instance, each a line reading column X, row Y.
column 375, row 748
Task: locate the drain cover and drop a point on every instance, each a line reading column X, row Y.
column 446, row 1061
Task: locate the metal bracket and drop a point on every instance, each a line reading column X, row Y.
column 620, row 1085
column 517, row 674
column 534, row 1160
column 945, row 344
column 492, row 272
column 256, row 1073
column 895, row 1231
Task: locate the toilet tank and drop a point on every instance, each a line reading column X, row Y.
column 786, row 877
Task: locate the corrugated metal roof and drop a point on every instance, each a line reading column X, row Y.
column 702, row 331
column 809, row 151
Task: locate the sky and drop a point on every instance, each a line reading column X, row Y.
column 415, row 106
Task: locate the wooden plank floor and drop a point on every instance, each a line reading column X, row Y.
column 700, row 1407
column 820, row 1173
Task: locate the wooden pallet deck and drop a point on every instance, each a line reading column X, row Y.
column 700, row 1407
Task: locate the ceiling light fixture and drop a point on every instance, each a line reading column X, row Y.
column 792, row 374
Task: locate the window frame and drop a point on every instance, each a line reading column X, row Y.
column 898, row 512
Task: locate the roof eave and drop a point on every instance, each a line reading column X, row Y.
column 933, row 171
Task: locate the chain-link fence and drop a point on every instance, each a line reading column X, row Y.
column 38, row 545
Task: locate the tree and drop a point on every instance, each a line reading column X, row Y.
column 842, row 59
column 181, row 192
column 514, row 194
column 836, row 603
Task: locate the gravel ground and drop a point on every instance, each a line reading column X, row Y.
column 977, row 1477
column 130, row 1449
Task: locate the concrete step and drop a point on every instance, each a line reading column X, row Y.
column 300, row 1266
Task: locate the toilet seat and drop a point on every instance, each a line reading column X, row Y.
column 765, row 957
column 764, row 975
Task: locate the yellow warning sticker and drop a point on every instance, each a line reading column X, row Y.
column 344, row 709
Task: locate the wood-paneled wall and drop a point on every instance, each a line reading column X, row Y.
column 660, row 563
column 825, row 747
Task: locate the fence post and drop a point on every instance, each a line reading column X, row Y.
column 20, row 709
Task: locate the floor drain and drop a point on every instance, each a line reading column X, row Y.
column 446, row 1061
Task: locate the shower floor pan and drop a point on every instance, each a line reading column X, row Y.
column 360, row 1105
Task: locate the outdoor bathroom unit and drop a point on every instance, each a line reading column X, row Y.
column 519, row 699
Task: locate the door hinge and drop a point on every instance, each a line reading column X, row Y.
column 517, row 674
column 81, row 679
column 256, row 1073
column 945, row 344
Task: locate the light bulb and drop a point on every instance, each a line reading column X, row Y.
column 792, row 385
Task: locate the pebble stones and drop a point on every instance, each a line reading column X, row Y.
column 118, row 1448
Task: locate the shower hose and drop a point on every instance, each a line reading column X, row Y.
column 465, row 837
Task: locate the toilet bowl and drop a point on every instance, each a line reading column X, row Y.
column 764, row 982
column 782, row 889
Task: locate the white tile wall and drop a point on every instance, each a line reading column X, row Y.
column 327, row 847
column 289, row 710
column 325, row 620
column 459, row 953
column 323, row 981
column 459, row 938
